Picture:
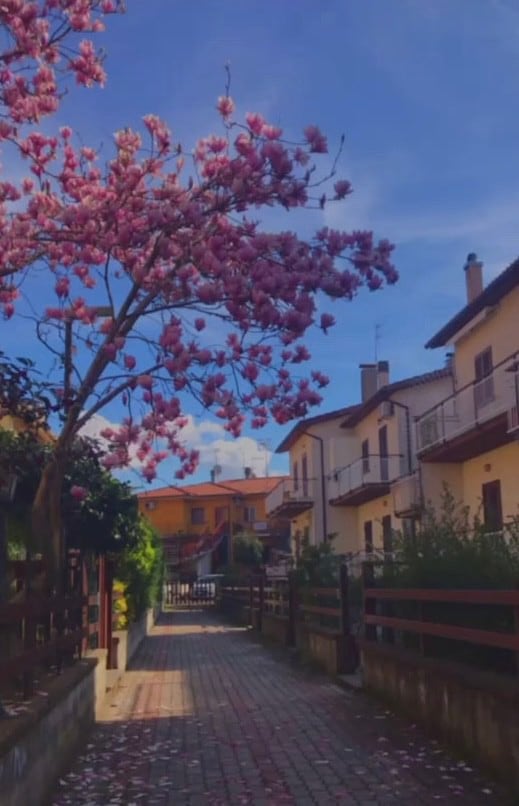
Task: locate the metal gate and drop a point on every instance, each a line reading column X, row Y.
column 191, row 594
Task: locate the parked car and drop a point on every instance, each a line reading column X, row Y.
column 206, row 586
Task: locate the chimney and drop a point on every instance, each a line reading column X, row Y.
column 248, row 472
column 213, row 475
column 382, row 374
column 368, row 380
column 473, row 277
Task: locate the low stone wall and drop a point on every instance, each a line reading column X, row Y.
column 324, row 647
column 126, row 644
column 475, row 712
column 37, row 746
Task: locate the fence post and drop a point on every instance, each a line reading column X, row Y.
column 370, row 605
column 516, row 625
column 251, row 600
column 30, row 631
column 261, row 603
column 292, row 607
column 350, row 651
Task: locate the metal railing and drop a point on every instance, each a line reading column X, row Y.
column 289, row 491
column 474, row 404
column 372, row 469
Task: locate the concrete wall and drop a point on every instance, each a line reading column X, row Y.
column 498, row 330
column 500, row 464
column 37, row 746
column 474, row 712
column 127, row 644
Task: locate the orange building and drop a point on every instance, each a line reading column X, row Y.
column 198, row 521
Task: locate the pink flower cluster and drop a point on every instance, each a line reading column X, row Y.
column 142, row 241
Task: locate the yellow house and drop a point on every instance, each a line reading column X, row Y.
column 198, row 521
column 379, row 489
column 354, row 471
column 469, row 439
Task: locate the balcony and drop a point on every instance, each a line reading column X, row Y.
column 473, row 420
column 407, row 499
column 290, row 498
column 365, row 479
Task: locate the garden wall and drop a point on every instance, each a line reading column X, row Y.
column 37, row 746
column 473, row 711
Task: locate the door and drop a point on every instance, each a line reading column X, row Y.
column 304, row 472
column 484, row 386
column 492, row 507
column 382, row 451
column 368, row 537
column 387, row 534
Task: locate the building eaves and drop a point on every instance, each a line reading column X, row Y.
column 303, row 425
column 387, row 391
column 491, row 295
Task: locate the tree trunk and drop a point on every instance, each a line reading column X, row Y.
column 47, row 532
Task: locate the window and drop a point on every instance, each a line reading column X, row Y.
column 304, row 470
column 368, row 537
column 365, row 456
column 150, row 505
column 387, row 534
column 197, row 516
column 296, row 476
column 484, row 386
column 492, row 509
column 409, row 528
column 382, row 450
column 249, row 514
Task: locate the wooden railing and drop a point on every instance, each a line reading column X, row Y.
column 40, row 630
column 325, row 609
column 390, row 614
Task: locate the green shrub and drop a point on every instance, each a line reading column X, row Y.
column 140, row 569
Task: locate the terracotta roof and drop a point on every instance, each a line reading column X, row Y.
column 495, row 291
column 386, row 391
column 303, row 425
column 255, row 486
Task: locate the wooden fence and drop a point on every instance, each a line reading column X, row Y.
column 38, row 630
column 440, row 620
column 296, row 614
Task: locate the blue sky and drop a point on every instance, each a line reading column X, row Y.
column 427, row 96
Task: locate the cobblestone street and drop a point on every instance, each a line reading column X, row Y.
column 208, row 715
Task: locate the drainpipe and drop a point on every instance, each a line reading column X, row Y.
column 323, row 482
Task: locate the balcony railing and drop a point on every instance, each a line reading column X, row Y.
column 407, row 499
column 471, row 406
column 291, row 494
column 364, row 472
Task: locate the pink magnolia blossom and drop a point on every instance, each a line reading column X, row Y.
column 78, row 493
column 161, row 269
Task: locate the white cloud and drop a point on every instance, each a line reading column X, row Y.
column 210, row 439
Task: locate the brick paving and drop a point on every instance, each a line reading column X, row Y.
column 207, row 715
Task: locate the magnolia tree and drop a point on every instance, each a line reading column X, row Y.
column 158, row 285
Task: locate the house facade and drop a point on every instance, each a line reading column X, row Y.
column 469, row 439
column 379, row 489
column 199, row 521
column 354, row 471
